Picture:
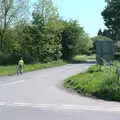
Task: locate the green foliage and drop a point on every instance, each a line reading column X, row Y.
column 6, row 58
column 74, row 40
column 100, row 33
column 85, row 83
column 70, row 36
column 46, row 43
column 11, row 11
column 44, row 11
column 104, row 38
column 83, row 58
column 44, row 38
column 84, row 44
column 80, row 58
column 99, row 81
column 111, row 15
column 92, row 57
column 95, row 68
column 108, row 33
column 109, row 89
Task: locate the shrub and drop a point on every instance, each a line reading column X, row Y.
column 79, row 58
column 83, row 58
column 8, row 59
column 95, row 68
column 99, row 81
column 109, row 89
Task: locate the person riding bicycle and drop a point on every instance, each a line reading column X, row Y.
column 20, row 66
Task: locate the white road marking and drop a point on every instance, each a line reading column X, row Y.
column 43, row 105
column 2, row 103
column 61, row 106
column 12, row 83
column 91, row 108
column 15, row 104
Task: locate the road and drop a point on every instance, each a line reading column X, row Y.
column 39, row 95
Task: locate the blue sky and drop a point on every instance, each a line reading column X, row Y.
column 87, row 12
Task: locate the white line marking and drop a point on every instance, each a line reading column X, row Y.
column 12, row 83
column 61, row 106
column 2, row 103
column 42, row 106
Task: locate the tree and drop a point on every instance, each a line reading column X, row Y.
column 46, row 22
column 74, row 40
column 107, row 1
column 85, row 44
column 100, row 32
column 44, row 11
column 111, row 15
column 10, row 11
column 108, row 33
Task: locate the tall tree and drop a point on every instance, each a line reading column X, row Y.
column 108, row 33
column 74, row 40
column 44, row 11
column 45, row 19
column 111, row 15
column 100, row 32
column 107, row 1
column 10, row 12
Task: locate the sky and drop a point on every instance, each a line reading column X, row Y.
column 87, row 12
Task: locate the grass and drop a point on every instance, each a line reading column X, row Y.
column 92, row 57
column 99, row 81
column 83, row 83
column 83, row 58
column 10, row 70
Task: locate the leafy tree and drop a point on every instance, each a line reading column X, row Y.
column 54, row 29
column 85, row 44
column 45, row 19
column 111, row 15
column 100, row 32
column 43, row 38
column 108, row 33
column 107, row 1
column 74, row 40
column 44, row 11
column 10, row 11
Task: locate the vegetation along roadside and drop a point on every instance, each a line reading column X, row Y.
column 99, row 81
column 12, row 69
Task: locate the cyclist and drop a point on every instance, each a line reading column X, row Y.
column 20, row 66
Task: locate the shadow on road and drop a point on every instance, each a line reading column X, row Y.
column 84, row 62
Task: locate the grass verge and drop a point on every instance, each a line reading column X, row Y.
column 10, row 70
column 83, row 58
column 100, row 82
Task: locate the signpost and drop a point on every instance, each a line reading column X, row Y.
column 105, row 51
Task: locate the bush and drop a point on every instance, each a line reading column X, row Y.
column 117, row 56
column 109, row 89
column 98, row 82
column 79, row 58
column 28, row 59
column 85, row 83
column 8, row 59
column 94, row 68
column 92, row 57
column 74, row 40
column 12, row 59
column 83, row 58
